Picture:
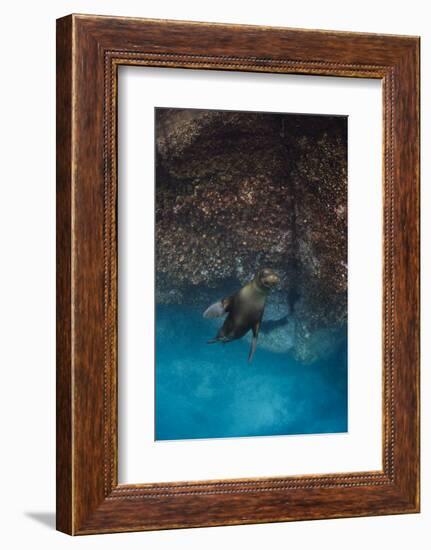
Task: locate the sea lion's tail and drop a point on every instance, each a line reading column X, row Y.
column 213, row 341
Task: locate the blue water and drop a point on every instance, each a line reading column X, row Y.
column 208, row 391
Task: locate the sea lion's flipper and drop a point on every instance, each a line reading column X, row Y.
column 215, row 310
column 252, row 348
column 219, row 340
column 218, row 309
column 255, row 329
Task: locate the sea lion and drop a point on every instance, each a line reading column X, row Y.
column 244, row 308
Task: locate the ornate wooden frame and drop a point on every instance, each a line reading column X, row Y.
column 89, row 51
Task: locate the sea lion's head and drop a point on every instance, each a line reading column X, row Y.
column 267, row 278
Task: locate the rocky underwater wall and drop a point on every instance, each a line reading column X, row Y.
column 238, row 191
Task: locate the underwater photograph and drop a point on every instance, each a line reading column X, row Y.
column 251, row 274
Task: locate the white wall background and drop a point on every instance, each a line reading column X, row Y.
column 27, row 280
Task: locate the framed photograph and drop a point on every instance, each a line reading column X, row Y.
column 237, row 274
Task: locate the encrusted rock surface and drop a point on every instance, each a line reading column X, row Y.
column 237, row 191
